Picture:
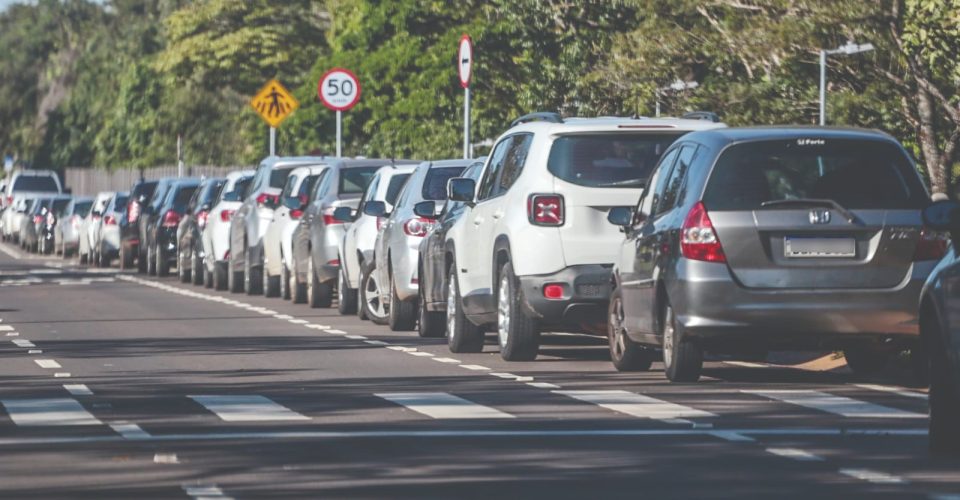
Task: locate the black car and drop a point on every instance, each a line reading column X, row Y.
column 432, row 281
column 190, row 245
column 140, row 195
column 162, row 220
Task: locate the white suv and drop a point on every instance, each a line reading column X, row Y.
column 536, row 254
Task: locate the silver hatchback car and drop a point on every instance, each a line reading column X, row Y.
column 753, row 239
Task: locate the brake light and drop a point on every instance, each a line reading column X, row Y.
column 265, row 200
column 133, row 211
column 553, row 291
column 329, row 220
column 334, row 262
column 96, row 217
column 110, row 220
column 37, row 219
column 170, row 219
column 698, row 240
column 296, row 213
column 417, row 226
column 932, row 245
column 226, row 214
column 9, row 200
column 545, row 209
column 75, row 221
column 202, row 218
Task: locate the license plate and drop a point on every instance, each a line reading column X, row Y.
column 800, row 248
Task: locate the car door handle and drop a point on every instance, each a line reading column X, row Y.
column 477, row 221
column 497, row 215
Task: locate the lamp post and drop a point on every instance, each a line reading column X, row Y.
column 849, row 49
column 676, row 86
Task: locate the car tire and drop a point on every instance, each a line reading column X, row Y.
column 625, row 354
column 271, row 284
column 944, row 396
column 235, row 278
column 207, row 278
column 183, row 273
column 682, row 356
column 196, row 268
column 286, row 287
column 866, row 361
column 142, row 261
column 517, row 333
column 298, row 290
column 346, row 296
column 462, row 335
column 104, row 258
column 151, row 262
column 429, row 323
column 402, row 313
column 221, row 276
column 370, row 298
column 318, row 294
column 252, row 277
column 126, row 258
column 163, row 264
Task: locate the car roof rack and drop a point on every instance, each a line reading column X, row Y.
column 542, row 116
column 702, row 115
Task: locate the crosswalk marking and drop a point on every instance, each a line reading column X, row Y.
column 838, row 405
column 250, row 408
column 637, row 405
column 23, row 343
column 442, row 405
column 47, row 363
column 78, row 389
column 48, row 412
column 6, row 328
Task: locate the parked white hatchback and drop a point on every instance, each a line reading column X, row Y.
column 216, row 234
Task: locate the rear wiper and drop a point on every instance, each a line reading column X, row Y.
column 809, row 202
column 637, row 182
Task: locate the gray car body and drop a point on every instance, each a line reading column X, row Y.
column 67, row 231
column 819, row 308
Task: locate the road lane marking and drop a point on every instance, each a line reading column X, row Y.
column 13, row 334
column 283, row 316
column 78, row 389
column 872, row 476
column 165, row 458
column 475, row 367
column 317, row 327
column 401, row 348
column 61, row 375
column 442, row 405
column 795, row 454
column 543, row 385
column 375, row 342
column 47, row 363
column 336, row 332
column 447, row 360
column 637, row 405
column 421, row 354
column 48, row 412
column 298, row 321
column 247, row 408
column 6, row 328
column 204, row 492
column 733, row 436
column 356, row 337
column 838, row 405
column 35, row 351
column 892, row 390
column 509, row 376
column 129, row 431
column 23, row 343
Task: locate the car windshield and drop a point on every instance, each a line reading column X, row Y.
column 356, row 180
column 393, row 189
column 864, row 174
column 435, row 184
column 608, row 160
column 38, row 183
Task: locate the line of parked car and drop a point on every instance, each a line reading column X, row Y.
column 671, row 237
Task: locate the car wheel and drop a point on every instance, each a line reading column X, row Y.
column 182, row 272
column 151, row 262
column 163, row 265
column 318, row 294
column 207, row 278
column 373, row 306
column 462, row 335
column 402, row 313
column 626, row 355
column 252, row 276
column 519, row 334
column 142, row 260
column 234, row 277
column 346, row 296
column 867, row 361
column 429, row 323
column 126, row 258
column 104, row 258
column 285, row 284
column 944, row 397
column 682, row 357
column 298, row 290
column 220, row 277
column 196, row 268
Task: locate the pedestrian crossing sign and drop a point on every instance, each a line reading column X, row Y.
column 274, row 103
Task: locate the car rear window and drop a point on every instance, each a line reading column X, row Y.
column 278, row 176
column 864, row 174
column 59, row 206
column 435, row 184
column 145, row 189
column 396, row 184
column 182, row 197
column 355, row 180
column 38, row 183
column 608, row 160
column 120, row 203
column 82, row 208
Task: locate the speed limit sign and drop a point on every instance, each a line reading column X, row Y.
column 339, row 89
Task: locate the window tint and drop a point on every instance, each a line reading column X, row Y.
column 323, row 185
column 497, row 159
column 307, row 185
column 145, row 190
column 648, row 201
column 514, row 161
column 210, row 195
column 118, row 203
column 855, row 173
column 393, row 189
column 39, row 183
column 671, row 191
column 288, row 187
column 371, row 191
column 608, row 160
column 159, row 195
column 278, row 176
column 182, row 196
column 435, row 183
column 355, row 180
column 82, row 208
column 60, row 205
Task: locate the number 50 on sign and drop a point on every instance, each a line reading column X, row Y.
column 339, row 89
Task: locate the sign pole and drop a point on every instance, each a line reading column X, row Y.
column 339, row 133
column 179, row 155
column 273, row 141
column 465, row 72
column 466, row 124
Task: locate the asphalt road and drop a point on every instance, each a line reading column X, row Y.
column 122, row 386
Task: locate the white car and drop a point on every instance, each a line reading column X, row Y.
column 106, row 231
column 536, row 254
column 216, row 234
column 356, row 247
column 88, row 226
column 22, row 185
column 277, row 249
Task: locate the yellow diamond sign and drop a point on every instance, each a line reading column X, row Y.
column 274, row 103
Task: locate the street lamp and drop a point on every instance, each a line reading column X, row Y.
column 849, row 49
column 676, row 86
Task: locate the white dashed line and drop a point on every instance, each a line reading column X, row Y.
column 637, row 405
column 356, row 337
column 442, row 405
column 6, row 328
column 474, row 367
column 129, row 431
column 838, row 405
column 298, row 321
column 543, row 385
column 205, row 492
column 401, row 348
column 35, row 351
column 61, row 375
column 48, row 412
column 13, row 334
column 47, row 363
column 446, row 360
column 872, row 476
column 731, row 436
column 375, row 342
column 504, row 375
column 283, row 316
column 421, row 354
column 317, row 327
column 165, row 458
column 78, row 389
column 795, row 454
column 892, row 390
column 247, row 408
column 336, row 332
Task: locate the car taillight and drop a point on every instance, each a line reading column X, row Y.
column 95, row 217
column 380, row 222
column 110, row 220
column 133, row 211
column 170, row 219
column 37, row 219
column 698, row 240
column 545, row 209
column 932, row 245
column 202, row 218
column 553, row 291
column 226, row 214
column 417, row 226
column 265, row 200
column 9, row 200
column 75, row 221
column 296, row 213
column 329, row 220
column 334, row 262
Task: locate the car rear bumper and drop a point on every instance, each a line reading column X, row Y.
column 404, row 266
column 583, row 306
column 712, row 306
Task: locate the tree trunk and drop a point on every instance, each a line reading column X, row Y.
column 933, row 157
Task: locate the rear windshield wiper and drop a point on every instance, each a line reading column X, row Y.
column 628, row 182
column 809, row 202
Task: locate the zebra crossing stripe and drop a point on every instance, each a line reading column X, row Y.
column 637, row 405
column 838, row 405
column 442, row 405
column 48, row 412
column 247, row 408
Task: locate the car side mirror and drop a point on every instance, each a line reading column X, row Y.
column 620, row 216
column 461, row 189
column 942, row 215
column 343, row 214
column 375, row 208
column 426, row 209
